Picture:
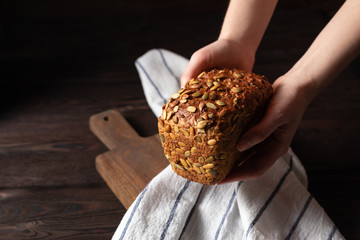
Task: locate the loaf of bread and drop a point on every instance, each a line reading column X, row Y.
column 201, row 123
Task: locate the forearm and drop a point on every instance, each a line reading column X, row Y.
column 334, row 48
column 246, row 21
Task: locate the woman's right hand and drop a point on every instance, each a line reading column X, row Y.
column 222, row 53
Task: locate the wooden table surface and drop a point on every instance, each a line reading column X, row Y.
column 63, row 61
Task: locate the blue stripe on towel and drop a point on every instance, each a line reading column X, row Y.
column 172, row 213
column 332, row 233
column 168, row 68
column 277, row 188
column 133, row 212
column 227, row 211
column 238, row 186
column 299, row 217
column 191, row 213
column 151, row 81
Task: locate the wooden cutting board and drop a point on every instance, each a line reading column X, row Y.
column 132, row 161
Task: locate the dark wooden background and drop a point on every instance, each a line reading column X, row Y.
column 63, row 61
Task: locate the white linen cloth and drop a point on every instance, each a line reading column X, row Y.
column 275, row 206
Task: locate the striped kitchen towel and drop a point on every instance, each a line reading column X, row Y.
column 275, row 206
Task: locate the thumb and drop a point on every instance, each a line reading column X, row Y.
column 258, row 133
column 199, row 61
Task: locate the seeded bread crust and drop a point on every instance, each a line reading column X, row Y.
column 201, row 123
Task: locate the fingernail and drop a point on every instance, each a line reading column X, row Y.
column 243, row 146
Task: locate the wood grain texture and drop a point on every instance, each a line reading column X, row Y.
column 58, row 213
column 64, row 61
column 132, row 160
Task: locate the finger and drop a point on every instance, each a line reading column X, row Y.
column 199, row 62
column 233, row 175
column 258, row 133
column 260, row 159
column 253, row 167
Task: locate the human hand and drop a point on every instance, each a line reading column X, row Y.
column 221, row 53
column 270, row 138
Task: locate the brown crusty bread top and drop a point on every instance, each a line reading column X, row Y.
column 201, row 123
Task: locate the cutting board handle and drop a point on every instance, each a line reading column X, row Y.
column 110, row 126
column 132, row 160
